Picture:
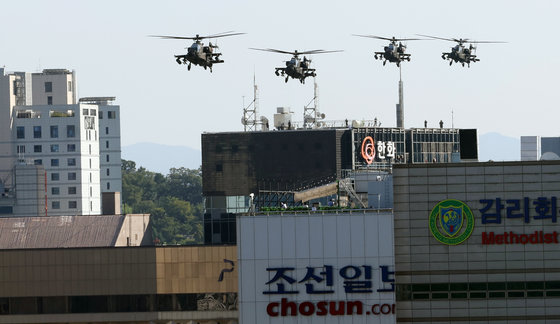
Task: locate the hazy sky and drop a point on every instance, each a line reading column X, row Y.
column 513, row 90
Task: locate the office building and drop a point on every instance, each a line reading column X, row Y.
column 304, row 166
column 477, row 242
column 43, row 123
column 540, row 148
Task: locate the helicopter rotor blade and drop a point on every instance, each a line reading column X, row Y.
column 319, row 51
column 197, row 37
column 434, row 37
column 487, row 42
column 272, row 50
column 222, row 35
column 172, row 37
column 387, row 38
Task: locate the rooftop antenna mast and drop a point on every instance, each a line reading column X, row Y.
column 311, row 115
column 400, row 105
column 250, row 118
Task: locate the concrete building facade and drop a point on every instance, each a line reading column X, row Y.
column 43, row 123
column 477, row 242
column 65, row 140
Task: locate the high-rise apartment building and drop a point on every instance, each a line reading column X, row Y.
column 76, row 142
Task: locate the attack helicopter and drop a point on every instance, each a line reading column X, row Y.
column 461, row 53
column 296, row 68
column 198, row 53
column 394, row 53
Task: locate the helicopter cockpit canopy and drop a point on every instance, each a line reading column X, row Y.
column 195, row 47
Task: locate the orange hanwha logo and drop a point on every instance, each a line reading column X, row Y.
column 368, row 149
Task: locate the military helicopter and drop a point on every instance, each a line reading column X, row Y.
column 198, row 53
column 296, row 68
column 461, row 53
column 394, row 53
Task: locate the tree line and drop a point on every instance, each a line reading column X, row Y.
column 174, row 202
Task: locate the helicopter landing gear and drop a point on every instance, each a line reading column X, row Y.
column 384, row 62
column 302, row 81
column 398, row 64
column 178, row 60
column 463, row 64
column 286, row 80
column 443, row 56
column 189, row 67
column 450, row 62
column 210, row 69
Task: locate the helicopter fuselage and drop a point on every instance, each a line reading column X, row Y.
column 199, row 54
column 296, row 69
column 393, row 53
column 460, row 54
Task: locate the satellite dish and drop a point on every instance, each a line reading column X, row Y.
column 549, row 156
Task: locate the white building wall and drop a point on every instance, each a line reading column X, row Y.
column 110, row 148
column 7, row 101
column 68, row 148
column 61, row 89
column 348, row 242
column 30, row 191
column 530, row 148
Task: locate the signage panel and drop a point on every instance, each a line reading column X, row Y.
column 317, row 268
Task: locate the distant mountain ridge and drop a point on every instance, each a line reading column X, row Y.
column 160, row 158
column 497, row 147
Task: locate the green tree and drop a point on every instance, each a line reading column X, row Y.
column 174, row 201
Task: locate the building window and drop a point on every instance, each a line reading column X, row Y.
column 48, row 86
column 108, row 172
column 55, row 176
column 55, row 190
column 20, row 132
column 38, row 162
column 219, row 168
column 72, row 204
column 111, row 115
column 70, row 131
column 54, row 131
column 54, row 148
column 108, row 186
column 71, row 147
column 85, row 112
column 90, row 191
column 20, row 148
column 54, row 162
column 107, row 158
column 69, row 86
column 100, row 115
column 36, row 131
column 92, row 112
column 37, row 148
column 49, row 100
column 106, row 130
column 71, row 161
column 71, row 175
column 56, row 205
column 106, row 144
column 71, row 190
